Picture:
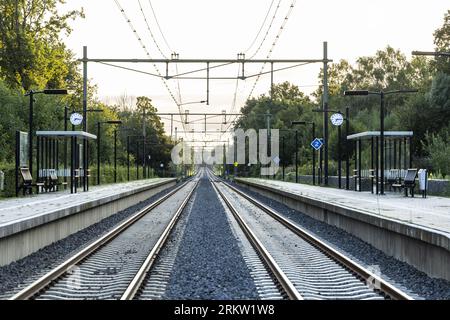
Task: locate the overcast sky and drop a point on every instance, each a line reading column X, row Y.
column 221, row 29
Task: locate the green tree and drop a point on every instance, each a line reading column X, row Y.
column 442, row 43
column 31, row 52
column 438, row 148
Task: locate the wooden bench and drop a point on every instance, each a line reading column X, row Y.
column 27, row 181
column 409, row 182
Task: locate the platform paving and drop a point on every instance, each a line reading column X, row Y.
column 432, row 212
column 39, row 205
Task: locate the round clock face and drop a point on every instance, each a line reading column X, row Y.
column 337, row 119
column 76, row 119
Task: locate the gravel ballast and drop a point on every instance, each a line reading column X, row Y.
column 401, row 274
column 209, row 264
column 18, row 274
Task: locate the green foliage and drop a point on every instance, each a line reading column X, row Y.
column 438, row 148
column 31, row 52
column 442, row 43
column 10, row 179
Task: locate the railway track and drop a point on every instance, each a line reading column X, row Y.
column 113, row 266
column 304, row 266
column 120, row 264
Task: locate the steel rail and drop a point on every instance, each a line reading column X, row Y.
column 362, row 272
column 281, row 277
column 34, row 288
column 140, row 276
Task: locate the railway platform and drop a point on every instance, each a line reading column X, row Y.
column 30, row 223
column 414, row 230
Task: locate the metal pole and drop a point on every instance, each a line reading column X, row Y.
column 347, row 149
column 137, row 160
column 30, row 138
column 171, row 126
column 115, row 156
column 410, row 152
column 66, row 111
column 207, row 83
column 85, row 123
column 371, row 164
column 38, row 162
column 325, row 108
column 17, row 161
column 282, row 155
column 376, row 165
column 359, row 164
column 339, row 158
column 296, row 156
column 128, row 158
column 313, row 154
column 98, row 153
column 382, row 143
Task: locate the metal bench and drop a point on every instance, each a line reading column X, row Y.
column 409, row 182
column 52, row 181
column 27, row 181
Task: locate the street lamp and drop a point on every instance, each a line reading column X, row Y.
column 192, row 102
column 31, row 93
column 431, row 53
column 313, row 134
column 381, row 94
column 118, row 122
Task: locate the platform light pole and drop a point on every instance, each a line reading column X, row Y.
column 381, row 94
column 313, row 135
column 117, row 122
column 31, row 94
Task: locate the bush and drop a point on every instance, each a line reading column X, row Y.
column 438, row 148
column 10, row 180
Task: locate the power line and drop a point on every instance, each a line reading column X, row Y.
column 274, row 43
column 150, row 31
column 261, row 27
column 291, row 7
column 167, row 44
column 159, row 27
column 267, row 31
column 130, row 24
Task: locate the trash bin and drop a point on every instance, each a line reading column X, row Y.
column 423, row 181
column 2, row 180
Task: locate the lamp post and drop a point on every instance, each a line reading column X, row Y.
column 431, row 53
column 381, row 94
column 118, row 122
column 31, row 94
column 313, row 134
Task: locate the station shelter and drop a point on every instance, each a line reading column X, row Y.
column 397, row 158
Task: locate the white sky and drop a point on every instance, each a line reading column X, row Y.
column 221, row 29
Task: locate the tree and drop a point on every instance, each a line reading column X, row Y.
column 442, row 43
column 31, row 52
column 438, row 149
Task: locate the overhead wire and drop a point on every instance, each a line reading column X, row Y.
column 144, row 47
column 274, row 43
column 260, row 28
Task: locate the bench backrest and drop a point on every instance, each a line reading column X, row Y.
column 26, row 175
column 53, row 177
column 411, row 175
